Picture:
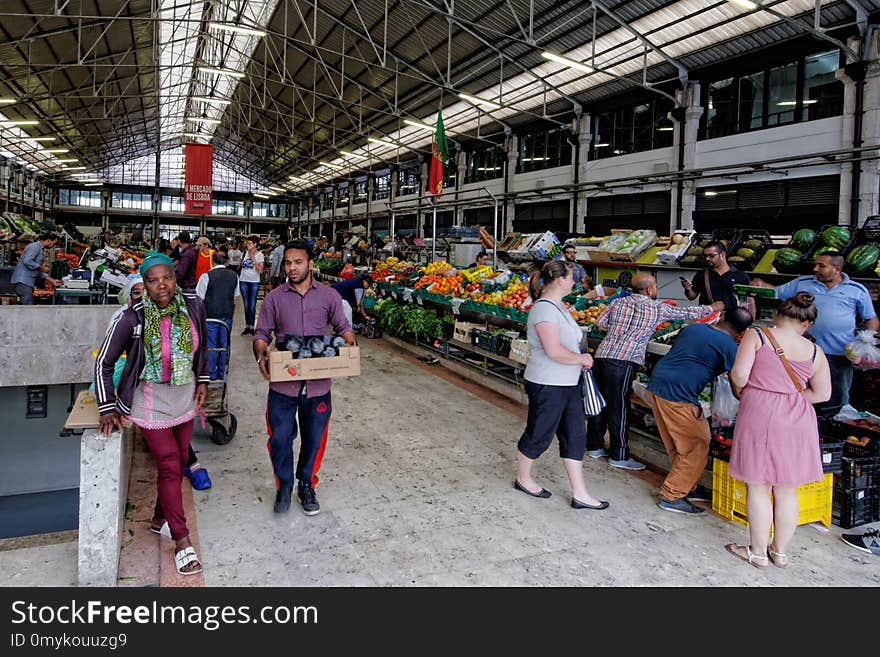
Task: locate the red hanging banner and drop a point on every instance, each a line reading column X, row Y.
column 198, row 178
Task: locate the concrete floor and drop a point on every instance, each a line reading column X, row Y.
column 416, row 490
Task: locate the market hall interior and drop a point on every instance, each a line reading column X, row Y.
column 416, row 490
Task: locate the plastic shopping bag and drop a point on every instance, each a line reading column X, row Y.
column 864, row 351
column 724, row 405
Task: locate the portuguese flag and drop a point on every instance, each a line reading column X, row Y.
column 439, row 155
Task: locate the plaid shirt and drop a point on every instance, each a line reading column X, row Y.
column 631, row 321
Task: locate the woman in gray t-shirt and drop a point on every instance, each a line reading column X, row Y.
column 552, row 385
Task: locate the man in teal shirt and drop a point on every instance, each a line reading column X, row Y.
column 841, row 303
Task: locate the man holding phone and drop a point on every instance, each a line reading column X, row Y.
column 716, row 281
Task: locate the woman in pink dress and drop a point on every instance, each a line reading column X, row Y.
column 776, row 439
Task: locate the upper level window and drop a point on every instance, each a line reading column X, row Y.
column 360, row 191
column 382, row 185
column 227, row 206
column 543, row 150
column 408, row 180
column 633, row 129
column 131, row 201
column 171, row 203
column 801, row 90
column 79, row 197
column 268, row 209
column 484, row 164
column 327, row 198
column 342, row 193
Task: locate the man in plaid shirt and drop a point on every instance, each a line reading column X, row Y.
column 629, row 323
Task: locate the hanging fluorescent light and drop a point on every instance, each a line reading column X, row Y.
column 710, row 193
column 419, row 124
column 565, row 61
column 19, row 122
column 381, row 142
column 92, row 184
column 212, row 101
column 260, row 195
column 237, row 29
column 602, row 145
column 57, row 150
column 354, row 155
column 39, row 139
column 221, row 71
column 666, row 128
column 298, row 179
column 533, row 159
column 67, row 160
column 203, row 119
column 72, row 168
column 8, row 101
column 793, row 103
column 744, row 4
column 84, row 175
column 330, row 165
column 480, row 101
column 276, row 189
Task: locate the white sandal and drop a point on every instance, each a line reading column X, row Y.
column 779, row 560
column 183, row 558
column 754, row 559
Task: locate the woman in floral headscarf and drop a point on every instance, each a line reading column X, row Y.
column 163, row 387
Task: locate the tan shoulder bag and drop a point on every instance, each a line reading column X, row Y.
column 788, row 368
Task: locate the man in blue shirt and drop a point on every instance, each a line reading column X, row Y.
column 700, row 353
column 30, row 266
column 841, row 303
column 569, row 253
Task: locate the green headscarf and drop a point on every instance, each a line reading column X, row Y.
column 181, row 333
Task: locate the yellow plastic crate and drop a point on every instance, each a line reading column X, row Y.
column 729, row 497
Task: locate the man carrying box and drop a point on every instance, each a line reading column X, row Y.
column 300, row 306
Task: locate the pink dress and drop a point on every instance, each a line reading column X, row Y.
column 776, row 439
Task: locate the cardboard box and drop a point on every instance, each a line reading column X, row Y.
column 519, row 351
column 462, row 331
column 284, row 367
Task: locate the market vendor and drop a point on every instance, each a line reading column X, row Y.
column 578, row 271
column 352, row 291
column 841, row 304
column 481, row 261
column 30, row 266
column 630, row 322
column 700, row 353
column 716, row 281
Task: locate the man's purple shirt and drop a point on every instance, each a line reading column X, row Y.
column 285, row 310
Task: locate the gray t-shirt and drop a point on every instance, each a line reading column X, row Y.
column 541, row 368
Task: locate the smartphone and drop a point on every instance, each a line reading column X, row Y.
column 683, row 279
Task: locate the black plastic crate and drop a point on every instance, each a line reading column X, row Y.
column 857, row 473
column 857, row 450
column 502, row 344
column 851, row 508
column 748, row 235
column 717, row 235
column 484, row 340
column 832, row 453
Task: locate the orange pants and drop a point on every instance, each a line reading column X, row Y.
column 686, row 435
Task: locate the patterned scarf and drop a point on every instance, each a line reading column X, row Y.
column 181, row 341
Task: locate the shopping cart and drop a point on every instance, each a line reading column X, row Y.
column 223, row 423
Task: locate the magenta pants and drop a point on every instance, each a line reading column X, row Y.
column 170, row 450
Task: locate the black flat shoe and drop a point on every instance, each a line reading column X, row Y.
column 575, row 504
column 541, row 493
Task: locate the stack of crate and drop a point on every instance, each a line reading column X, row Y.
column 856, row 499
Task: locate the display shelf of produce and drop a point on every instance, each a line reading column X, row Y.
column 487, row 354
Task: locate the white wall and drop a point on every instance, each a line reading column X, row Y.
column 626, row 166
column 774, row 143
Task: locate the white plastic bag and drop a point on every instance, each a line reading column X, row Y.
column 724, row 405
column 864, row 351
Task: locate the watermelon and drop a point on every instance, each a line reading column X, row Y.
column 787, row 259
column 803, row 239
column 825, row 249
column 863, row 258
column 836, row 236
